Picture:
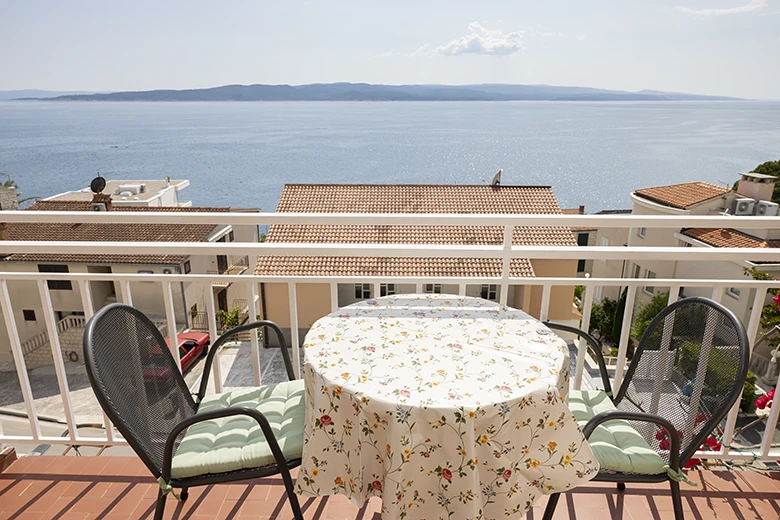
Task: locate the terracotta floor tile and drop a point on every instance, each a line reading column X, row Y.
column 110, row 490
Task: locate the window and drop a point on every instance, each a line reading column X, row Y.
column 641, row 232
column 489, row 292
column 56, row 285
column 29, row 315
column 187, row 267
column 231, row 236
column 649, row 289
column 636, row 271
column 387, row 289
column 733, row 292
column 362, row 291
column 580, row 266
column 432, row 288
column 582, row 239
column 598, row 294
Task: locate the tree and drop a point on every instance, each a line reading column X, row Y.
column 769, row 168
column 770, row 314
column 647, row 313
column 602, row 315
column 10, row 183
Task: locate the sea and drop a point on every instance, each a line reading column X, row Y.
column 241, row 154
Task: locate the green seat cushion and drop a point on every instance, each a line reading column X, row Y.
column 617, row 446
column 237, row 442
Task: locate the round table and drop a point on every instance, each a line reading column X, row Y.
column 444, row 406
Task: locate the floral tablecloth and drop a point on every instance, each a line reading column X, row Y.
column 446, row 407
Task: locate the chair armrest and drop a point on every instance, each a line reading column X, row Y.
column 596, row 348
column 217, row 414
column 674, row 448
column 232, row 332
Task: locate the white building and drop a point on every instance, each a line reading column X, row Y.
column 753, row 196
column 189, row 298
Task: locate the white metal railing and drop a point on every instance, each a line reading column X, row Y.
column 504, row 251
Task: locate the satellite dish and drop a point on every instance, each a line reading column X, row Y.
column 98, row 184
column 497, row 179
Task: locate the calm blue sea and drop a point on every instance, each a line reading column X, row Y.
column 241, row 154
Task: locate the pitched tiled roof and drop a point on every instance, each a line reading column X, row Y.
column 576, row 211
column 410, row 199
column 69, row 232
column 722, row 237
column 416, row 198
column 682, row 196
column 373, row 266
column 455, row 235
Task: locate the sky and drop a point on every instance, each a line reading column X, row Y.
column 721, row 47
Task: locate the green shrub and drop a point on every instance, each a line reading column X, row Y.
column 646, row 314
column 721, row 372
column 748, row 393
column 602, row 318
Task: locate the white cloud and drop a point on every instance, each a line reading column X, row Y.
column 746, row 8
column 581, row 37
column 480, row 40
column 770, row 14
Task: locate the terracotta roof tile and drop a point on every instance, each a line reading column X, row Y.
column 369, row 198
column 682, row 196
column 455, row 235
column 576, row 211
column 386, row 266
column 54, row 232
column 416, row 198
column 722, row 237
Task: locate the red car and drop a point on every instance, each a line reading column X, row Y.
column 192, row 345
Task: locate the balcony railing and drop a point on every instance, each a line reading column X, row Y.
column 505, row 252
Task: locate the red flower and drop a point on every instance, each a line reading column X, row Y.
column 506, row 474
column 661, row 434
column 701, row 418
column 446, row 474
column 325, row 420
column 691, row 463
column 405, row 393
column 371, row 349
column 376, row 485
column 665, row 444
column 765, row 400
column 713, row 444
column 426, row 454
column 680, row 434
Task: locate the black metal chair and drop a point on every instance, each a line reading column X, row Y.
column 686, row 374
column 188, row 440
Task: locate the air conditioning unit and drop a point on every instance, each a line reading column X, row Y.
column 766, row 209
column 167, row 271
column 744, row 206
column 99, row 206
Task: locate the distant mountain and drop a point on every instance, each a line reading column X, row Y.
column 6, row 95
column 368, row 92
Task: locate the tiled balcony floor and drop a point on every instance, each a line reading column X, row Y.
column 113, row 488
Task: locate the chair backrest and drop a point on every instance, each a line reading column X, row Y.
column 136, row 380
column 689, row 368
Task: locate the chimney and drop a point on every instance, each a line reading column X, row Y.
column 5, row 233
column 102, row 198
column 582, row 210
column 757, row 186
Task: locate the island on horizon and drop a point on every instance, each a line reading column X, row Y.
column 376, row 92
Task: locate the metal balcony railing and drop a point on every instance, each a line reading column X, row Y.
column 506, row 251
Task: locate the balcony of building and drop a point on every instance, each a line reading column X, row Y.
column 44, row 414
